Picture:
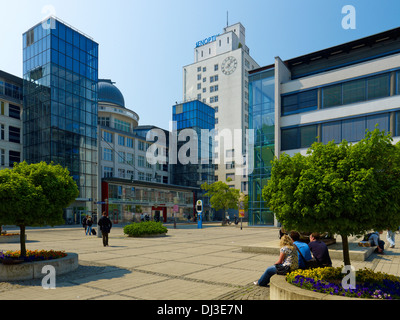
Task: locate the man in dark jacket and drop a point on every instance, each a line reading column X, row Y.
column 105, row 227
column 319, row 250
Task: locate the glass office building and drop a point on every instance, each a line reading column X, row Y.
column 60, row 67
column 199, row 117
column 262, row 121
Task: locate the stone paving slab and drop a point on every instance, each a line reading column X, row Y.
column 188, row 264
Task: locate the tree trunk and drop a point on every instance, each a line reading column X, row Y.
column 346, row 253
column 22, row 241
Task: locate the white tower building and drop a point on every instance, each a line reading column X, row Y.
column 219, row 77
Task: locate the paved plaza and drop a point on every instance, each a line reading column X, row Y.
column 187, row 264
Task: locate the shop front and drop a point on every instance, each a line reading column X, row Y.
column 126, row 201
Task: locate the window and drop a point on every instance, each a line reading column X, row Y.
column 354, row 91
column 215, row 67
column 198, row 69
column 2, row 130
column 108, row 172
column 14, row 134
column 107, row 136
column 199, row 77
column 214, row 78
column 149, row 177
column 230, row 176
column 378, row 87
column 231, row 165
column 141, row 176
column 300, row 102
column 300, row 137
column 2, row 157
column 121, row 173
column 121, row 140
column 368, row 88
column 14, row 112
column 2, row 108
column 14, row 156
column 122, row 125
column 141, row 146
column 354, row 129
column 107, row 154
column 141, row 162
column 332, row 96
column 130, row 158
column 121, row 157
column 199, row 86
column 129, row 142
column 204, row 69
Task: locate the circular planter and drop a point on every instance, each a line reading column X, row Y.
column 11, row 239
column 280, row 289
column 33, row 270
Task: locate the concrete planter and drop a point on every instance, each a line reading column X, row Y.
column 280, row 289
column 33, row 270
column 11, row 239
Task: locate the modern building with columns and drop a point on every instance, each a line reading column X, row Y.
column 332, row 94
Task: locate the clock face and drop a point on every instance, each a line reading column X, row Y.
column 229, row 65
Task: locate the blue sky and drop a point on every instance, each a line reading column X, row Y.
column 145, row 44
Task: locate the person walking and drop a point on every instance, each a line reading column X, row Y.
column 84, row 223
column 89, row 224
column 288, row 259
column 105, row 225
column 391, row 238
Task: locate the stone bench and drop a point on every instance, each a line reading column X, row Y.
column 335, row 250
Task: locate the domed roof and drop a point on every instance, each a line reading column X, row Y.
column 108, row 92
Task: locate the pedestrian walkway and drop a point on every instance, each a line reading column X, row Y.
column 187, row 264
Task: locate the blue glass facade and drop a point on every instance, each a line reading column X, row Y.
column 197, row 116
column 262, row 121
column 60, row 67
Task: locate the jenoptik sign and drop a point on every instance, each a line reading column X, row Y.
column 206, row 41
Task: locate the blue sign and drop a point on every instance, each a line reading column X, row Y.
column 206, row 41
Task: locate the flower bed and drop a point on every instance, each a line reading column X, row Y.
column 32, row 256
column 369, row 285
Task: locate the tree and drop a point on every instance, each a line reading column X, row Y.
column 35, row 195
column 342, row 189
column 222, row 197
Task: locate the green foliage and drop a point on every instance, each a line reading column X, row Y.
column 221, row 196
column 145, row 228
column 341, row 189
column 345, row 189
column 35, row 195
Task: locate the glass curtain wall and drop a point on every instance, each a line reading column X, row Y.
column 197, row 116
column 60, row 67
column 262, row 121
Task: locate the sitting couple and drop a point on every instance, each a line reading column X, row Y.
column 290, row 257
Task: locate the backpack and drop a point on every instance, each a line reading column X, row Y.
column 366, row 237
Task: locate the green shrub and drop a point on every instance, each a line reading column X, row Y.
column 145, row 228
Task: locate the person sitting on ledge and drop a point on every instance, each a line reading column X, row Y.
column 287, row 258
column 303, row 247
column 319, row 250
